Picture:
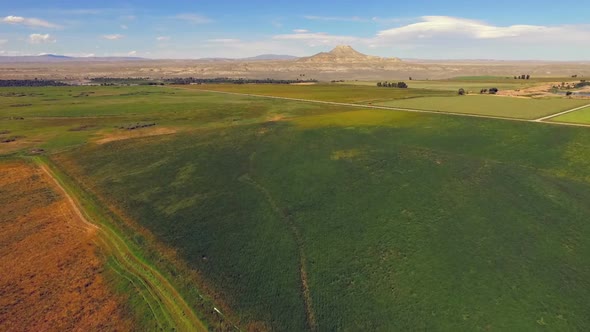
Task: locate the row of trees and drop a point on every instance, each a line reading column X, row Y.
column 522, row 77
column 491, row 91
column 30, row 83
column 401, row 85
column 193, row 80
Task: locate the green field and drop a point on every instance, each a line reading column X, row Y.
column 292, row 216
column 324, row 92
column 580, row 116
column 421, row 99
column 453, row 85
column 508, row 107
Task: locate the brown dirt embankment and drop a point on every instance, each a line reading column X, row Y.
column 52, row 276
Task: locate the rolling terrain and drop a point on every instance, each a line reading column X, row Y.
column 261, row 213
column 342, row 62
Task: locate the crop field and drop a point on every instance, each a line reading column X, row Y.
column 420, row 99
column 453, row 85
column 292, row 216
column 580, row 116
column 324, row 92
column 521, row 108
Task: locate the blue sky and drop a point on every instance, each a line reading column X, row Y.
column 195, row 29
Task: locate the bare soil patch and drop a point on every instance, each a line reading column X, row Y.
column 52, row 276
column 129, row 134
column 539, row 91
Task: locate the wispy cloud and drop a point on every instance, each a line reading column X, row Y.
column 80, row 11
column 193, row 18
column 113, row 37
column 300, row 31
column 432, row 26
column 223, row 40
column 29, row 21
column 162, row 38
column 336, row 18
column 37, row 38
column 317, row 38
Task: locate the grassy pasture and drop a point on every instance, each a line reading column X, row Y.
column 508, row 107
column 453, row 85
column 408, row 221
column 580, row 116
column 324, row 92
column 55, row 118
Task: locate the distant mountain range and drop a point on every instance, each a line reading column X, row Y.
column 52, row 58
column 342, row 54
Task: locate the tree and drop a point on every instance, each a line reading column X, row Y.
column 379, row 84
column 461, row 92
column 528, row 77
column 569, row 93
column 493, row 91
column 402, row 85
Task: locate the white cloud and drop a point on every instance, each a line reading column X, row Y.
column 28, row 21
column 132, row 53
column 162, row 38
column 300, row 31
column 37, row 38
column 113, row 37
column 335, row 18
column 193, row 18
column 223, row 40
column 124, row 27
column 317, row 38
column 432, row 26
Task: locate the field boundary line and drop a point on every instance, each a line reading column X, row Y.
column 173, row 307
column 401, row 109
column 560, row 113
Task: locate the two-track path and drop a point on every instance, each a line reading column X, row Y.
column 169, row 308
column 413, row 110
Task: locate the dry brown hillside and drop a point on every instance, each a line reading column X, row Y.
column 52, row 278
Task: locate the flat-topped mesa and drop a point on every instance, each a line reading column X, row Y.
column 345, row 54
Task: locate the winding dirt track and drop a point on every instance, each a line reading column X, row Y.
column 169, row 308
column 538, row 120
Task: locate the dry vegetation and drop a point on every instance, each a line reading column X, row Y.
column 52, row 277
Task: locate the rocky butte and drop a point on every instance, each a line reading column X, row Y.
column 346, row 55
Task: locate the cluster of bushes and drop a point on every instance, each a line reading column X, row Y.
column 491, row 91
column 401, row 85
column 31, row 83
column 138, row 125
column 193, row 80
column 522, row 77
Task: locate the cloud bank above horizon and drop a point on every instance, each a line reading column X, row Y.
column 198, row 34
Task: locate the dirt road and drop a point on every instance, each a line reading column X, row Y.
column 542, row 119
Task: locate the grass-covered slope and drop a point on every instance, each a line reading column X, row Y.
column 401, row 221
